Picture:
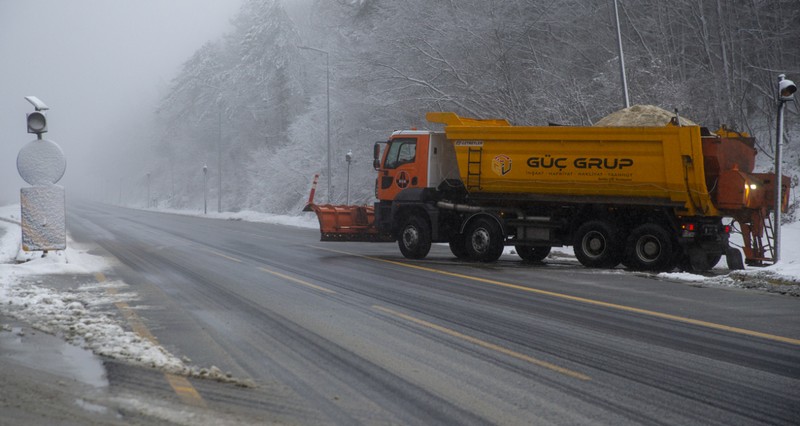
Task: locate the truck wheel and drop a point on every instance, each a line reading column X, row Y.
column 596, row 245
column 457, row 246
column 649, row 248
column 484, row 240
column 532, row 253
column 414, row 238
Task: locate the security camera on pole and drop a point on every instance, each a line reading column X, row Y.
column 41, row 163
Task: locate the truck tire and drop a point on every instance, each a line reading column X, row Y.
column 484, row 240
column 597, row 245
column 458, row 246
column 649, row 248
column 532, row 253
column 414, row 238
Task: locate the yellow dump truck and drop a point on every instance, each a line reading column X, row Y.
column 651, row 198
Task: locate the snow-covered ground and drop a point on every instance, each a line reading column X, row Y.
column 88, row 314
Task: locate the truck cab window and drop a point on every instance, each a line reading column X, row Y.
column 401, row 151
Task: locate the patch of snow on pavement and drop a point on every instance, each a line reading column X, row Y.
column 88, row 315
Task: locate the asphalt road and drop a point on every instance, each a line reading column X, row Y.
column 352, row 333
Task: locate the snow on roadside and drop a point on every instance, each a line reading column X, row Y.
column 86, row 316
column 783, row 277
column 304, row 221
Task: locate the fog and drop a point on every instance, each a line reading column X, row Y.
column 101, row 66
column 262, row 112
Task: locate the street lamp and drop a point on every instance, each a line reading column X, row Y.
column 328, row 102
column 786, row 89
column 205, row 189
column 348, row 157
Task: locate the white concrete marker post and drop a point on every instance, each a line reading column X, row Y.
column 41, row 163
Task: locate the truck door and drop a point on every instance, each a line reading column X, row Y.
column 405, row 165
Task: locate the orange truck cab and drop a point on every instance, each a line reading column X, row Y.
column 414, row 159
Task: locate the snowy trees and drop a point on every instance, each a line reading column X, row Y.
column 530, row 61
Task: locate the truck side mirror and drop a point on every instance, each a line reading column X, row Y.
column 376, row 156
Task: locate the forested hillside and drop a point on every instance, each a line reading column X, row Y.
column 254, row 101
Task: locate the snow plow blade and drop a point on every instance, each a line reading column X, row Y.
column 347, row 223
column 344, row 223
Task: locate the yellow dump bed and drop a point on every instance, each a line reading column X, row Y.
column 644, row 165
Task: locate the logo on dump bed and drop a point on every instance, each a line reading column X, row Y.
column 501, row 164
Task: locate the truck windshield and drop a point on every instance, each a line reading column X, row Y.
column 401, row 151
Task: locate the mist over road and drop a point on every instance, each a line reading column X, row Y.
column 350, row 333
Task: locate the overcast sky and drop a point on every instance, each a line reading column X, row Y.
column 100, row 65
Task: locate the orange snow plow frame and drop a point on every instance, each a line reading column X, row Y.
column 344, row 223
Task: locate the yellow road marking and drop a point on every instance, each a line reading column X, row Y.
column 181, row 385
column 186, row 392
column 226, row 257
column 625, row 308
column 298, row 281
column 487, row 345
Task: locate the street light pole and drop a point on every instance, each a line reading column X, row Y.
column 621, row 59
column 219, row 158
column 148, row 190
column 205, row 189
column 786, row 89
column 349, row 158
column 328, row 104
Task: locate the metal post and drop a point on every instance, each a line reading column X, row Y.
column 349, row 158
column 219, row 158
column 205, row 189
column 621, row 59
column 148, row 190
column 776, row 227
column 786, row 90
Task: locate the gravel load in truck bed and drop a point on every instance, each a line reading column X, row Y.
column 640, row 116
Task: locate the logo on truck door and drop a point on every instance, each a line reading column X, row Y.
column 501, row 164
column 402, row 179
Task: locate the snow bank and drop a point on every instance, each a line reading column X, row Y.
column 305, row 221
